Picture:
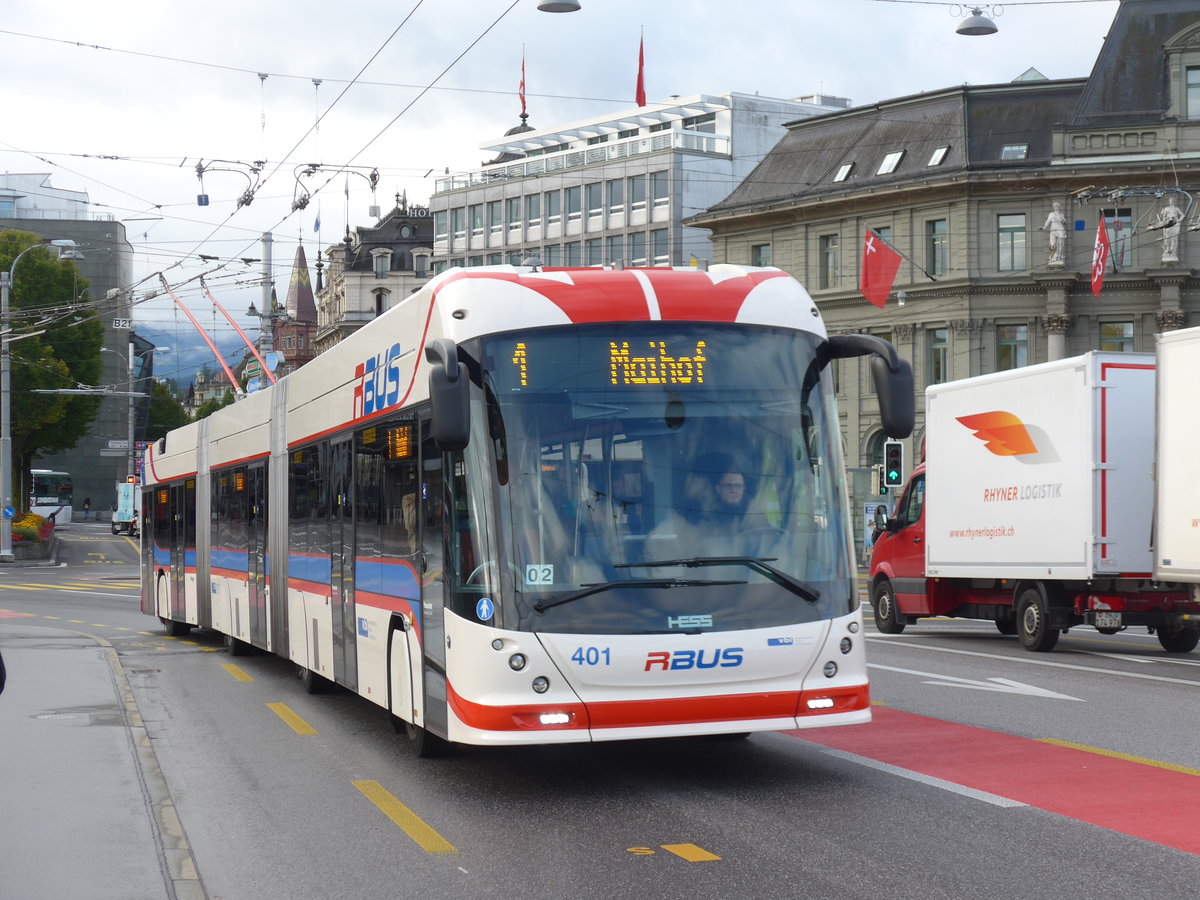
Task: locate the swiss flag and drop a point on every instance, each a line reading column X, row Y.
column 640, row 90
column 879, row 266
column 1100, row 257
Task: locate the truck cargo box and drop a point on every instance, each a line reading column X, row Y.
column 1043, row 472
column 1177, row 519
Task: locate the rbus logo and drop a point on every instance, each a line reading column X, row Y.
column 378, row 382
column 727, row 658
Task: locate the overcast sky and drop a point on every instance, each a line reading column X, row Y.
column 162, row 85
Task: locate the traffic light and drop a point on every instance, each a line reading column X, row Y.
column 878, row 488
column 893, row 464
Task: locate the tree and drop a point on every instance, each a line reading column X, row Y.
column 208, row 407
column 166, row 412
column 63, row 351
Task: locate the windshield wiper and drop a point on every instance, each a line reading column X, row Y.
column 758, row 564
column 632, row 582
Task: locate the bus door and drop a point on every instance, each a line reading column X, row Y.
column 178, row 598
column 434, row 553
column 341, row 551
column 256, row 553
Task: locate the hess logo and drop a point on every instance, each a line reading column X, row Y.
column 725, row 658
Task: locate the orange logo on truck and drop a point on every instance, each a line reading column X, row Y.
column 1001, row 432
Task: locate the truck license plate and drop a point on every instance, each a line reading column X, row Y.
column 1108, row 620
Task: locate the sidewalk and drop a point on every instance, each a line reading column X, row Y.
column 86, row 809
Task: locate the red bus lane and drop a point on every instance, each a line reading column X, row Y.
column 1133, row 798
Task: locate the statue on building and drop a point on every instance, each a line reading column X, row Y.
column 1169, row 219
column 1056, row 224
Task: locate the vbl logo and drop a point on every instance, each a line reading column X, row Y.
column 694, row 659
column 378, row 382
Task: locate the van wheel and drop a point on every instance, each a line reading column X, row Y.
column 1033, row 626
column 883, row 601
column 1179, row 639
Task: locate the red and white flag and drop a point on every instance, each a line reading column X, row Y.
column 521, row 89
column 640, row 97
column 879, row 266
column 1100, row 257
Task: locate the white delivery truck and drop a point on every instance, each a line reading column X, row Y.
column 1177, row 511
column 1033, row 508
column 128, row 511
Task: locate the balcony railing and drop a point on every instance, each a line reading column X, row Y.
column 691, row 141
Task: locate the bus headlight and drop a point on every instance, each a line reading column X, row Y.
column 517, row 661
column 541, row 684
column 845, row 646
column 830, row 669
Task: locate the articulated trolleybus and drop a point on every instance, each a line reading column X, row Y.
column 537, row 506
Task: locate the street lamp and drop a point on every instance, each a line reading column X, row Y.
column 6, row 280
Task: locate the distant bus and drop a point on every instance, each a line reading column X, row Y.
column 51, row 495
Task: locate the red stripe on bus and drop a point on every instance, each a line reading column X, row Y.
column 1122, row 795
column 661, row 712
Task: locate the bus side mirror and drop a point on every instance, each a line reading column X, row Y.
column 892, row 375
column 451, row 425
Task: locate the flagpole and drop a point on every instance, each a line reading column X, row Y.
column 901, row 253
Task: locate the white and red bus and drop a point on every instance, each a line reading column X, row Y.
column 493, row 510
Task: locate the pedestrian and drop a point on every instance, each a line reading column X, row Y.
column 87, row 508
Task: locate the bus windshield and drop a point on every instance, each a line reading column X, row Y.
column 659, row 477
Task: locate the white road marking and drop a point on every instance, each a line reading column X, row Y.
column 1002, row 685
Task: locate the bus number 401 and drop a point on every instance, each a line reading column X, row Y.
column 592, row 656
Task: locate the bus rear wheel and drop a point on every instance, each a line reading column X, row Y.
column 423, row 743
column 175, row 629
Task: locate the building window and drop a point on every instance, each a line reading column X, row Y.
column 382, row 261
column 573, row 254
column 1193, row 92
column 760, row 254
column 380, row 303
column 533, row 210
column 627, row 133
column 593, row 198
column 1012, row 347
column 1118, row 223
column 659, row 247
column 659, row 126
column 616, row 248
column 937, row 238
column 616, row 196
column 598, row 139
column 495, row 222
column 936, row 157
column 513, row 210
column 659, row 194
column 439, row 227
column 637, row 248
column 573, row 199
column 830, row 260
column 706, row 123
column 637, row 192
column 938, row 357
column 844, row 171
column 458, row 227
column 553, row 207
column 594, row 251
column 494, row 259
column 1014, row 151
column 476, row 213
column 888, row 166
column 1116, row 336
column 1010, row 249
column 884, row 231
